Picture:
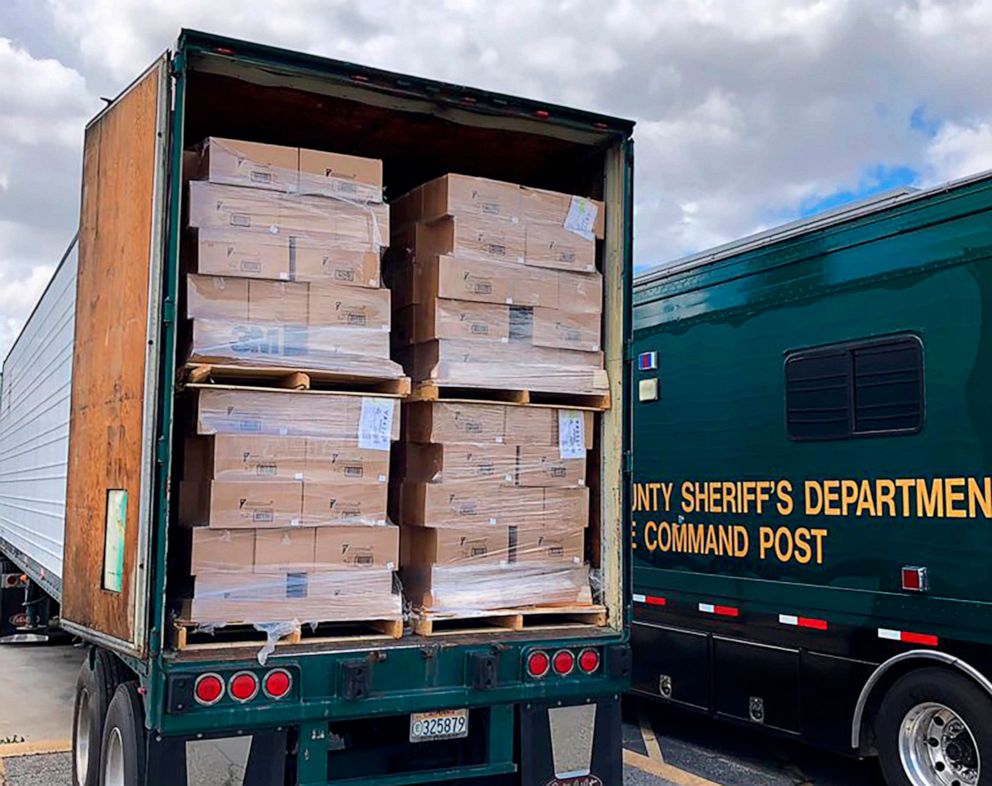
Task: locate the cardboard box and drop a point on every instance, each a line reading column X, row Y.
column 353, row 546
column 319, row 258
column 542, row 465
column 470, row 237
column 337, row 305
column 330, row 461
column 449, row 504
column 249, row 164
column 460, row 195
column 521, row 507
column 285, row 550
column 216, row 550
column 233, row 504
column 290, row 413
column 566, row 509
column 556, row 247
column 451, row 421
column 337, row 175
column 539, row 425
column 453, row 319
column 216, row 297
column 454, row 546
column 234, row 457
column 579, row 293
column 237, row 252
column 283, row 302
column 357, row 502
column 555, row 328
column 443, row 463
column 540, row 206
column 550, row 546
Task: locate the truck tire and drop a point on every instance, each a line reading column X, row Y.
column 934, row 728
column 122, row 753
column 95, row 687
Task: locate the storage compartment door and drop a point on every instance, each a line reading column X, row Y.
column 115, row 366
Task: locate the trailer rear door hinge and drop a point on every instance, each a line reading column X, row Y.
column 168, row 311
column 628, row 461
column 161, row 450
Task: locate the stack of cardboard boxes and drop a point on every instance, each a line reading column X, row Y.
column 284, row 499
column 493, row 505
column 495, row 286
column 286, row 246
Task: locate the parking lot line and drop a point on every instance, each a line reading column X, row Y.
column 34, row 748
column 651, row 744
column 671, row 774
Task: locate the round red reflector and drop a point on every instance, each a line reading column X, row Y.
column 208, row 689
column 564, row 662
column 538, row 664
column 589, row 661
column 277, row 683
column 243, row 686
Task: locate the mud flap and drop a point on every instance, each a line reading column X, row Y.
column 571, row 744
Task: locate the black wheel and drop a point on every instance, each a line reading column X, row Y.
column 934, row 728
column 122, row 753
column 95, row 687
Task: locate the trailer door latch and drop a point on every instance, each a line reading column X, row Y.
column 356, row 679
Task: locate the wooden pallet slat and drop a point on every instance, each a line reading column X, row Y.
column 292, row 379
column 432, row 391
column 187, row 636
column 437, row 623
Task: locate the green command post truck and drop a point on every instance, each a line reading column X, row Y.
column 525, row 707
column 812, row 501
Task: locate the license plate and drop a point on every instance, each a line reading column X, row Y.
column 441, row 725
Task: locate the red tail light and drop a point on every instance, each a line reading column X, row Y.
column 277, row 683
column 208, row 689
column 243, row 686
column 564, row 662
column 538, row 663
column 589, row 661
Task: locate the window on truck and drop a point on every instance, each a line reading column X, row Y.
column 858, row 389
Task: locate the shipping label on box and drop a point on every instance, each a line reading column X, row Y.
column 436, row 463
column 345, row 177
column 584, row 217
column 356, row 502
column 330, row 461
column 347, row 306
column 580, row 293
column 449, row 504
column 216, row 297
column 543, row 465
column 549, row 545
column 566, row 508
column 216, row 550
column 449, row 421
column 556, row 247
column 249, row 164
column 555, row 328
column 454, row 545
column 285, row 550
column 352, row 546
column 243, row 253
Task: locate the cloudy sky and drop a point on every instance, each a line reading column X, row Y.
column 749, row 112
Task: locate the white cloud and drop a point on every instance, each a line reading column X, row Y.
column 747, row 110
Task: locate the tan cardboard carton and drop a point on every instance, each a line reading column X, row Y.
column 540, row 206
column 453, row 319
column 237, row 252
column 213, row 205
column 352, row 546
column 277, row 301
column 449, row 504
column 290, row 413
column 284, row 550
column 460, row 195
column 579, row 293
column 550, row 546
column 542, row 465
column 556, row 247
column 522, row 508
column 454, row 546
column 450, row 421
column 216, row 297
column 331, row 461
column 463, row 279
column 347, row 306
column 336, row 175
column 476, row 238
column 221, row 550
column 566, row 508
column 555, row 328
column 358, row 502
column 539, row 425
column 249, row 164
column 320, row 258
column 236, row 457
column 233, row 504
column 442, row 463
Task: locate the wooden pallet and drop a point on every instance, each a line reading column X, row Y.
column 293, row 379
column 439, row 623
column 431, row 391
column 187, row 636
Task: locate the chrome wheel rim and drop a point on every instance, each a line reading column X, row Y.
column 113, row 770
column 81, row 745
column 937, row 748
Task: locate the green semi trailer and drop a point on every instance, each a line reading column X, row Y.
column 535, row 706
column 812, row 499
